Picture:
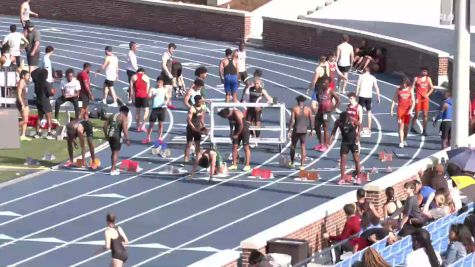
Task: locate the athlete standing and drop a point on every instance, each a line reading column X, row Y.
column 160, row 97
column 300, row 122
column 25, row 12
column 424, row 88
column 116, row 240
column 404, row 97
column 22, row 103
column 166, row 73
column 85, row 95
column 113, row 129
column 325, row 97
column 348, row 127
column 228, row 72
column 195, row 126
column 354, row 109
column 254, row 114
column 132, row 65
column 241, row 57
column 139, row 89
column 239, row 133
column 111, row 67
column 345, row 57
column 445, row 115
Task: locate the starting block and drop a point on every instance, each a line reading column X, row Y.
column 160, row 148
column 311, row 175
column 348, row 178
column 262, row 173
column 374, row 170
column 384, row 157
column 130, row 165
column 363, row 177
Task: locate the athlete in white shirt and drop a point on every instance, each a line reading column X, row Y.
column 132, row 65
column 14, row 40
column 364, row 92
column 111, row 67
column 47, row 63
column 25, row 12
column 241, row 55
column 345, row 57
column 69, row 92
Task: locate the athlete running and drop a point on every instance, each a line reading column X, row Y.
column 160, row 97
column 254, row 114
column 364, row 93
column 114, row 127
column 228, row 72
column 345, row 57
column 210, row 158
column 445, row 115
column 324, row 99
column 85, row 95
column 239, row 133
column 166, row 73
column 404, row 97
column 241, row 57
column 195, row 127
column 22, row 103
column 300, row 122
column 116, row 240
column 132, row 65
column 348, row 128
column 424, row 88
column 140, row 89
column 111, row 67
column 80, row 129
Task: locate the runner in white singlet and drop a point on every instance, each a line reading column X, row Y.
column 111, row 67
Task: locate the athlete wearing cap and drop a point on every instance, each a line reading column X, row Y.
column 300, row 122
column 83, row 130
column 404, row 97
column 424, row 88
column 345, row 57
column 111, row 68
column 139, row 89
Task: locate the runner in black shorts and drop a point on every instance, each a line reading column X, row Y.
column 239, row 132
column 195, row 126
column 43, row 92
column 300, row 122
column 113, row 128
column 348, row 127
column 81, row 129
column 254, row 114
column 365, row 103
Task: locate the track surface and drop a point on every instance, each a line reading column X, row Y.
column 56, row 219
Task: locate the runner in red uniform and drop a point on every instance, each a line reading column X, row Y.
column 355, row 111
column 334, row 71
column 472, row 113
column 140, row 88
column 325, row 99
column 424, row 88
column 404, row 97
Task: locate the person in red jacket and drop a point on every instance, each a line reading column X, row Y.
column 352, row 227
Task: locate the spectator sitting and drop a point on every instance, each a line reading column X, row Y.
column 360, row 53
column 423, row 253
column 413, row 217
column 460, row 245
column 441, row 208
column 363, row 204
column 372, row 231
column 378, row 62
column 392, row 207
column 352, row 227
column 454, row 171
column 438, row 181
column 371, row 258
column 470, row 223
column 424, row 193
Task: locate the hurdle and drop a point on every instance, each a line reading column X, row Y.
column 281, row 129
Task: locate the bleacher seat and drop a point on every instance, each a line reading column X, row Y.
column 467, row 261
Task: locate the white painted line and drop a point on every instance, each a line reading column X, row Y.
column 9, row 213
column 112, row 195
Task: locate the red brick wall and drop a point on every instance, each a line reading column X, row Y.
column 200, row 22
column 311, row 40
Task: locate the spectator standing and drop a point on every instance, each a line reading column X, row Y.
column 43, row 92
column 49, row 50
column 445, row 115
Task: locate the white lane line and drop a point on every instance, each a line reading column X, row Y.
column 247, row 216
column 57, row 204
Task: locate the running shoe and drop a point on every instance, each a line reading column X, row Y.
column 424, row 133
column 323, row 149
column 129, row 102
column 246, row 168
column 401, row 145
column 144, row 129
column 291, row 165
column 49, row 136
column 405, row 143
column 115, row 172
column 413, row 130
column 114, row 105
column 232, row 167
column 37, row 136
column 24, row 138
column 68, row 164
column 302, row 168
column 146, row 140
column 357, row 181
column 104, row 101
column 317, row 147
column 342, row 182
